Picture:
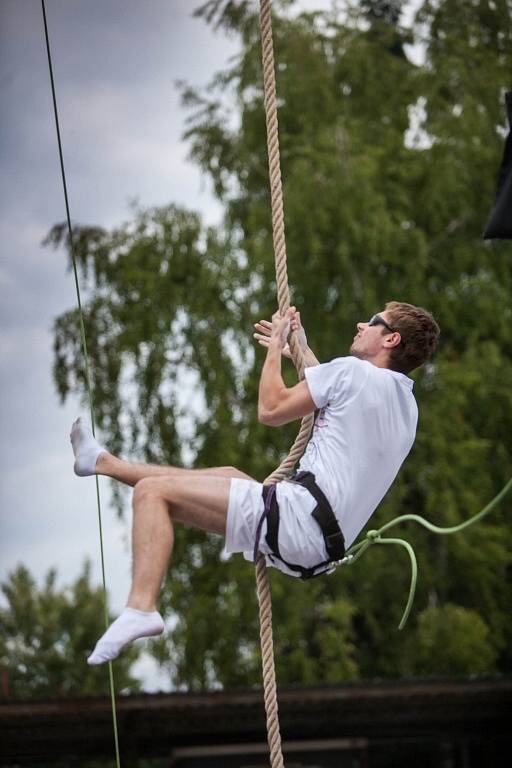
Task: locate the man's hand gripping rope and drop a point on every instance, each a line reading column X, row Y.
column 282, row 325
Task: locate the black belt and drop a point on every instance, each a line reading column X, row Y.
column 323, row 514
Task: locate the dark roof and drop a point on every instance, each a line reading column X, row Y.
column 155, row 724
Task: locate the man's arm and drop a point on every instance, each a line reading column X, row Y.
column 309, row 358
column 278, row 404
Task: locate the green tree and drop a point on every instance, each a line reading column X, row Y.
column 457, row 638
column 47, row 634
column 373, row 213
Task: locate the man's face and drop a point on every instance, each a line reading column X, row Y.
column 370, row 340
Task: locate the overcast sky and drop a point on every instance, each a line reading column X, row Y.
column 115, row 65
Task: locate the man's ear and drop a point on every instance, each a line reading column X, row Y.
column 393, row 340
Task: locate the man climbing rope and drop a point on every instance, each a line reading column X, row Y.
column 363, row 431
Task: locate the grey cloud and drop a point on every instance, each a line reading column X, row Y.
column 115, row 66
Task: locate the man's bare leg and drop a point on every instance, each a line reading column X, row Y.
column 200, row 502
column 197, row 500
column 91, row 458
column 130, row 472
column 162, row 496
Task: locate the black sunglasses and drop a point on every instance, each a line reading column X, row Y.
column 378, row 320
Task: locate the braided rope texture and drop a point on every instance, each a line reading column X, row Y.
column 298, row 447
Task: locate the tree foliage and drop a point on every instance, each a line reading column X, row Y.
column 388, row 169
column 47, row 634
column 457, row 638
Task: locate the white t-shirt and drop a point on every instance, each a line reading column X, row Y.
column 364, row 430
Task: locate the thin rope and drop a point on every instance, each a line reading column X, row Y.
column 87, row 368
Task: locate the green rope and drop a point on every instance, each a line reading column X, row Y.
column 375, row 537
column 87, row 370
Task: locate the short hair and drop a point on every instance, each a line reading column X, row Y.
column 419, row 333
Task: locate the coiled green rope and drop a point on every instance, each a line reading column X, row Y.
column 375, row 537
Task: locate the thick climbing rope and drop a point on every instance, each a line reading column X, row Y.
column 296, row 451
column 87, row 369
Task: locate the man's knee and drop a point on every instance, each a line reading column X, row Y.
column 147, row 488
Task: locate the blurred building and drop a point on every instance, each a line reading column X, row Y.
column 387, row 724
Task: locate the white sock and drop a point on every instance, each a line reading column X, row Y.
column 129, row 626
column 85, row 447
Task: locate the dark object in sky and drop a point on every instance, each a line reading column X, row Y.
column 500, row 221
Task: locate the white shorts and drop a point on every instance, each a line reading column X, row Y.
column 300, row 538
